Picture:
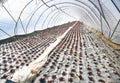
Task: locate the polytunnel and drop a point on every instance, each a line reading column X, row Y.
column 59, row 41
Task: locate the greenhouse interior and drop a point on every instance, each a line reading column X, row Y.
column 59, row 41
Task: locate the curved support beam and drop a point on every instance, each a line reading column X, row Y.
column 52, row 12
column 93, row 11
column 59, row 4
column 52, row 17
column 20, row 16
column 5, row 32
column 55, row 20
column 89, row 7
column 92, row 20
column 40, row 17
column 37, row 10
column 116, row 6
column 34, row 14
column 102, row 14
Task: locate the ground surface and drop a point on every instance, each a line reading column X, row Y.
column 80, row 57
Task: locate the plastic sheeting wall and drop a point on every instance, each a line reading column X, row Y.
column 25, row 16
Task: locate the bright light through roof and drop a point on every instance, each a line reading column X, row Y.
column 30, row 16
